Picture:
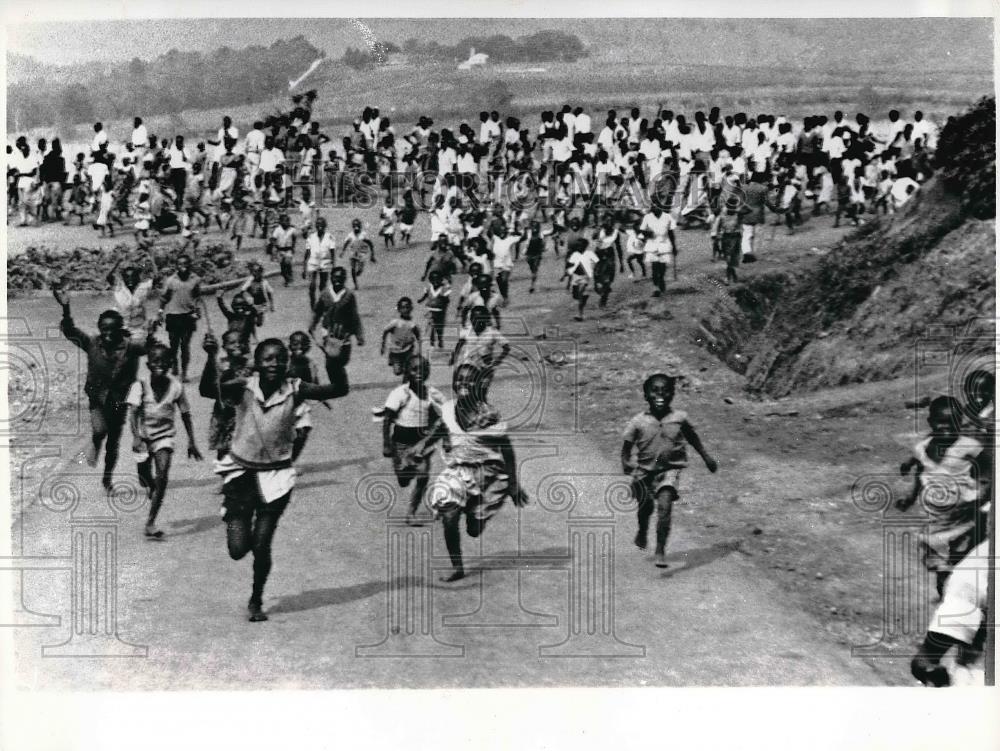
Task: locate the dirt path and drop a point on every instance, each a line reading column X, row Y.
column 558, row 595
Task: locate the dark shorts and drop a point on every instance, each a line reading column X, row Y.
column 181, row 324
column 400, row 358
column 242, row 498
column 108, row 419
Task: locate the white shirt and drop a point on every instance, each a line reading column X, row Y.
column 178, row 158
column 488, row 131
column 270, row 159
column 659, row 244
column 254, row 142
column 132, row 304
column 99, row 138
column 412, row 411
column 583, row 123
column 321, row 250
column 97, row 171
column 140, row 137
column 467, row 164
column 503, row 257
column 569, row 120
column 650, row 148
column 606, row 138
column 898, row 192
column 731, row 135
column 562, row 150
column 633, row 130
column 24, row 164
column 586, row 260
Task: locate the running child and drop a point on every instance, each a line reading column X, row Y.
column 282, row 242
column 356, row 241
column 480, row 473
column 635, row 249
column 580, row 265
column 475, row 270
column 533, row 253
column 411, row 413
column 241, row 318
column 223, row 420
column 441, row 260
column 482, row 295
column 481, row 346
column 653, row 454
column 112, row 367
column 387, row 226
column 407, row 218
column 258, row 292
column 947, row 460
column 504, row 247
column 437, row 295
column 728, row 229
column 404, row 337
column 152, row 402
column 257, row 473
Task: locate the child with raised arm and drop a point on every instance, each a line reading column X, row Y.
column 404, row 337
column 480, row 473
column 258, row 475
column 258, row 292
column 112, row 367
column 152, row 403
column 411, row 413
column 241, row 317
column 223, row 420
column 653, row 454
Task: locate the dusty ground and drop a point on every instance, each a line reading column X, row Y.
column 775, row 572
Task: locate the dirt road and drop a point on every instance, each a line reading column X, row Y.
column 557, row 595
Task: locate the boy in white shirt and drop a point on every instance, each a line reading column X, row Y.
column 580, row 267
column 658, row 227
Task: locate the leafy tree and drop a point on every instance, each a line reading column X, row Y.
column 966, row 156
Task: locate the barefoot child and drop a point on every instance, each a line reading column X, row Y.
column 481, row 346
column 635, row 249
column 407, row 218
column 112, row 367
column 356, row 241
column 257, row 473
column 258, row 292
column 481, row 470
column 282, row 242
column 387, row 227
column 654, row 453
column 241, row 317
column 580, row 266
column 946, row 461
column 152, row 402
column 405, row 337
column 437, row 294
column 411, row 413
column 223, row 420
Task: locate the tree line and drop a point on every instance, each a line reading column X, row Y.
column 169, row 83
column 540, row 47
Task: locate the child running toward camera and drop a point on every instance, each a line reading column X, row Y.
column 653, row 454
column 404, row 336
column 411, row 413
column 948, row 480
column 480, row 473
column 258, row 475
column 152, row 403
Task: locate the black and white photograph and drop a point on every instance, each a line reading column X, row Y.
column 452, row 353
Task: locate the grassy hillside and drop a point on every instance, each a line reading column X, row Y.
column 862, row 311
